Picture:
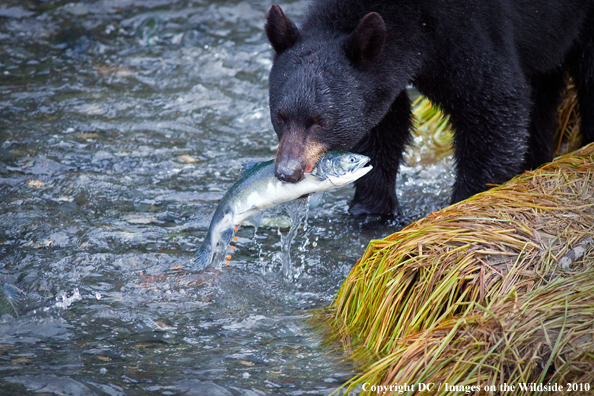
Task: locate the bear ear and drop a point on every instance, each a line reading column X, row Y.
column 281, row 31
column 367, row 41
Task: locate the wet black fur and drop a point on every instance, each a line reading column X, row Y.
column 496, row 67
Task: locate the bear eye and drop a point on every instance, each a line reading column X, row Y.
column 280, row 119
column 319, row 121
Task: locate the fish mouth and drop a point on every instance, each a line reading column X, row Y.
column 357, row 172
column 362, row 169
column 364, row 163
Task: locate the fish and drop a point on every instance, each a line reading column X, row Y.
column 258, row 190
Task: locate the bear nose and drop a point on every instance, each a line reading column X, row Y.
column 285, row 174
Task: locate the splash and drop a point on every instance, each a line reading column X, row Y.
column 64, row 301
column 10, row 297
column 297, row 211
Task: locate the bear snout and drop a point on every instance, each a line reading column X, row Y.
column 296, row 155
column 289, row 172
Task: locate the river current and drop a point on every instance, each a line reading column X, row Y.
column 122, row 124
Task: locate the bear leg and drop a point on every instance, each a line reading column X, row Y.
column 376, row 192
column 490, row 125
column 546, row 96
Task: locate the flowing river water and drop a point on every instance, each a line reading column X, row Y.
column 122, row 124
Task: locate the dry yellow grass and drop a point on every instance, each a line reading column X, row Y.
column 568, row 123
column 474, row 294
column 542, row 336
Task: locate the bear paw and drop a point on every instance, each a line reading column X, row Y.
column 383, row 209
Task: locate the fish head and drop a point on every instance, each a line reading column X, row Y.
column 341, row 168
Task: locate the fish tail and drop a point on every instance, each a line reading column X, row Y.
column 204, row 255
column 226, row 236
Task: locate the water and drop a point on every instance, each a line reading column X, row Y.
column 122, row 123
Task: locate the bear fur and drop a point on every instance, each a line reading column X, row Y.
column 497, row 68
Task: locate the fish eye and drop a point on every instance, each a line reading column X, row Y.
column 352, row 159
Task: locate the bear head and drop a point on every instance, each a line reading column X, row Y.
column 327, row 90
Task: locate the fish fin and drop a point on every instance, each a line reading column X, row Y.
column 206, row 252
column 257, row 219
column 245, row 211
column 203, row 256
column 246, row 166
column 315, row 200
column 226, row 236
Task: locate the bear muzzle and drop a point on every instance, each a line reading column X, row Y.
column 289, row 172
column 296, row 155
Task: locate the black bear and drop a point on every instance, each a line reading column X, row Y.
column 496, row 67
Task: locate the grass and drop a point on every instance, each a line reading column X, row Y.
column 472, row 294
column 544, row 335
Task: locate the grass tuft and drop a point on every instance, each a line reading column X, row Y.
column 473, row 295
